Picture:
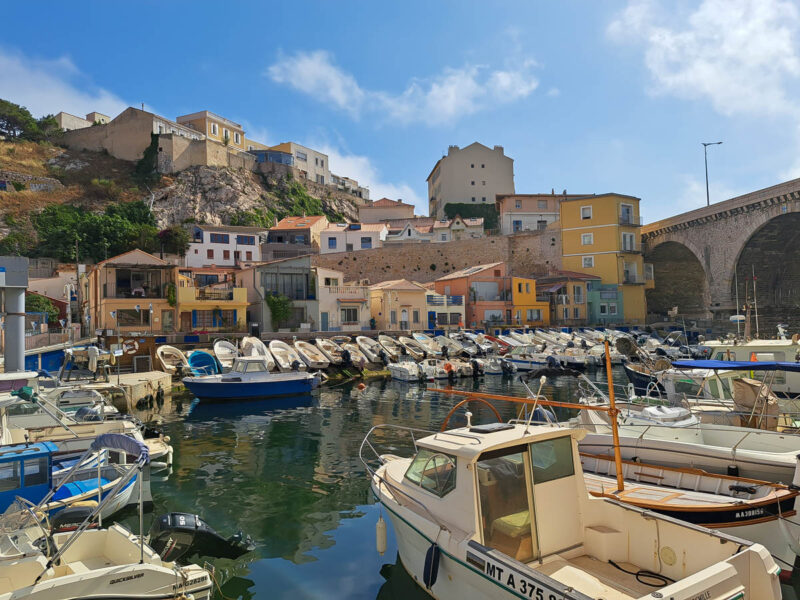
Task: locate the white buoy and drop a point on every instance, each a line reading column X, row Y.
column 380, row 535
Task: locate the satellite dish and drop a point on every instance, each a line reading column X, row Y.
column 737, row 318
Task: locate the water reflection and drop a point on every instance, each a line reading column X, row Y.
column 287, row 473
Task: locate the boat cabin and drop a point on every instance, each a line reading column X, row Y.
column 25, row 471
column 250, row 365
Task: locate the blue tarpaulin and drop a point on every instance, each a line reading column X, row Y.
column 738, row 365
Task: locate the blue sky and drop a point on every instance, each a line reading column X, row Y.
column 585, row 96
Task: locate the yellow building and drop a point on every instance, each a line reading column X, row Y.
column 526, row 309
column 398, row 304
column 216, row 128
column 213, row 307
column 601, row 236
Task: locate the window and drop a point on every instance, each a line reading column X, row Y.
column 444, row 237
column 219, row 238
column 415, row 316
column 237, row 138
column 331, row 243
column 482, row 166
column 226, row 135
column 212, row 318
column 301, row 156
column 9, row 476
column 565, row 312
column 472, row 166
column 516, row 225
column 160, row 129
column 255, row 367
column 441, row 318
column 586, row 212
column 322, row 163
column 577, row 293
column 316, row 161
column 409, row 233
column 214, row 129
column 433, row 471
column 612, row 308
column 248, row 255
column 604, row 309
column 226, row 255
column 587, row 239
column 541, row 225
column 552, row 459
column 483, row 198
column 393, row 317
column 34, row 470
column 519, row 287
column 518, row 204
column 455, row 318
column 349, row 315
column 493, row 315
column 534, row 314
column 576, row 312
column 246, row 240
column 588, row 262
column 331, row 281
column 628, row 242
column 527, row 288
column 542, row 204
column 130, row 317
column 366, row 243
column 209, row 253
column 472, row 183
column 473, row 198
column 483, row 183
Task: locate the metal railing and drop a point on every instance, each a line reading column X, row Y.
column 630, row 220
column 214, row 294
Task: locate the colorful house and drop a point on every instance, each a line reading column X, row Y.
column 567, row 293
column 527, row 309
column 601, row 236
column 341, row 307
column 347, row 237
column 301, row 231
column 398, row 304
column 209, row 300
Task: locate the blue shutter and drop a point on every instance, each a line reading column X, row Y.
column 194, row 318
column 235, row 321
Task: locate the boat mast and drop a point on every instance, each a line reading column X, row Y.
column 755, row 300
column 612, row 414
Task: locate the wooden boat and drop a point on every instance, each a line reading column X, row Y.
column 172, row 360
column 203, row 363
column 393, row 348
column 370, row 347
column 311, row 355
column 754, row 510
column 225, row 352
column 252, row 346
column 413, row 347
column 331, row 350
column 286, row 357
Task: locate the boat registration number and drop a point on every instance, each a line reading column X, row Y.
column 510, row 579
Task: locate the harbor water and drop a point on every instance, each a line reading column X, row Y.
column 287, row 473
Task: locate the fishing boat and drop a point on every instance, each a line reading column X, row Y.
column 405, row 370
column 432, row 348
column 225, row 352
column 414, row 349
column 352, row 354
column 392, row 348
column 527, row 358
column 371, row 348
column 286, row 357
column 311, row 355
column 252, row 346
column 248, row 379
column 780, row 350
column 454, row 347
column 510, row 341
column 644, row 380
column 502, row 511
column 172, row 360
column 86, row 563
column 331, row 350
column 494, row 365
column 203, row 363
column 754, row 510
column 341, row 339
column 435, row 368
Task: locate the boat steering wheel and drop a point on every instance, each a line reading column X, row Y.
column 457, row 406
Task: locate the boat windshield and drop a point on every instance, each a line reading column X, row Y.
column 433, row 471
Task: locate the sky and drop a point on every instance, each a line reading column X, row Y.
column 585, row 96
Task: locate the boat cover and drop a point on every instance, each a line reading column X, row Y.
column 117, row 441
column 738, row 365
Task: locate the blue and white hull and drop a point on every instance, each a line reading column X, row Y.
column 273, row 385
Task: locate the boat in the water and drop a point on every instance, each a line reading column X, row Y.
column 311, row 355
column 225, row 352
column 331, row 350
column 432, row 348
column 414, row 349
column 203, row 363
column 405, row 370
column 250, row 379
column 286, row 357
column 371, row 348
column 172, row 360
column 436, row 368
column 391, row 346
column 501, row 511
column 454, row 348
column 353, row 355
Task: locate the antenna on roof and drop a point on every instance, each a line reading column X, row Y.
column 142, row 105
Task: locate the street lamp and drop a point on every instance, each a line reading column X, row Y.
column 69, row 289
column 113, row 314
column 705, row 156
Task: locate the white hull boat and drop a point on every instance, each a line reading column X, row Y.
column 370, row 348
column 252, row 346
column 225, row 352
column 331, row 350
column 172, row 360
column 357, row 358
column 433, row 368
column 413, row 347
column 312, row 355
column 286, row 357
column 432, row 348
column 393, row 349
column 405, row 371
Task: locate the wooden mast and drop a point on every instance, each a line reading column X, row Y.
column 612, row 414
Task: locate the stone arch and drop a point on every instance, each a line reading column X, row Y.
column 680, row 280
column 772, row 253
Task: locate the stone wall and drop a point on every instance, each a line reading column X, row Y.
column 177, row 153
column 527, row 254
column 126, row 137
column 317, row 190
column 31, row 182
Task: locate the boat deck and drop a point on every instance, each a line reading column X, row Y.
column 662, row 496
column 595, row 578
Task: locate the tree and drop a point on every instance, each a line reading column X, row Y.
column 174, row 240
column 48, row 128
column 280, row 308
column 34, row 303
column 16, row 121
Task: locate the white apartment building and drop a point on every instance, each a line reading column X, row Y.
column 341, row 307
column 225, row 245
column 471, row 175
column 312, row 164
column 346, row 237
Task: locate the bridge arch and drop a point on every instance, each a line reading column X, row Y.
column 680, row 280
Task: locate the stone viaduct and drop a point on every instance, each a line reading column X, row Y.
column 706, row 258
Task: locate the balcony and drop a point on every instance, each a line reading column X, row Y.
column 631, row 249
column 630, row 221
column 445, row 300
column 209, row 294
column 632, row 279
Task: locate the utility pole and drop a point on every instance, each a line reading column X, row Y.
column 705, row 156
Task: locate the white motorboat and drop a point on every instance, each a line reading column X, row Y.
column 521, row 336
column 454, row 347
column 252, row 346
column 370, row 347
column 331, row 350
column 392, row 347
column 510, row 341
column 311, row 355
column 501, row 511
column 413, row 347
column 172, row 360
column 286, row 357
column 357, row 358
column 225, row 353
column 483, row 342
column 434, row 368
column 527, row 358
column 341, row 339
column 463, row 368
column 405, row 370
column 494, row 365
column 432, row 348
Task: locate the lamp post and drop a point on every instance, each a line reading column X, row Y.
column 68, row 291
column 151, row 318
column 113, row 313
column 705, row 157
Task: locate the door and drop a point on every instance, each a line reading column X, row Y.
column 626, row 214
column 431, row 319
column 323, row 317
column 404, row 319
column 186, row 321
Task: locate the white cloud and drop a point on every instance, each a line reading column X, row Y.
column 362, row 170
column 554, row 92
column 50, row 86
column 443, row 98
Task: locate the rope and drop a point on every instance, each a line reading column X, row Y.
column 642, row 574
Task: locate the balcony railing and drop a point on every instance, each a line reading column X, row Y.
column 350, row 291
column 445, row 300
column 630, row 220
column 632, row 249
column 214, row 294
column 632, row 279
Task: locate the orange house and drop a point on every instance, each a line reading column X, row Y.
column 486, row 290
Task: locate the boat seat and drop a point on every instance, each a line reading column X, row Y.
column 513, row 526
column 595, row 578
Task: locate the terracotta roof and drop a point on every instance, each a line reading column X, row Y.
column 469, row 271
column 337, row 227
column 298, row 222
column 398, row 224
column 397, row 284
column 385, row 203
column 232, row 228
column 134, row 251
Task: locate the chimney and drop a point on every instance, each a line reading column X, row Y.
column 552, row 191
column 565, row 192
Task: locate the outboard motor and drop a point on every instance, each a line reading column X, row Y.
column 295, row 365
column 445, row 352
column 181, row 535
column 507, row 366
column 661, row 352
column 552, row 363
column 71, row 517
column 476, row 368
column 584, row 345
column 570, row 344
column 384, row 357
column 347, row 360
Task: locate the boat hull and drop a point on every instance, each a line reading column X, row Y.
column 220, row 390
